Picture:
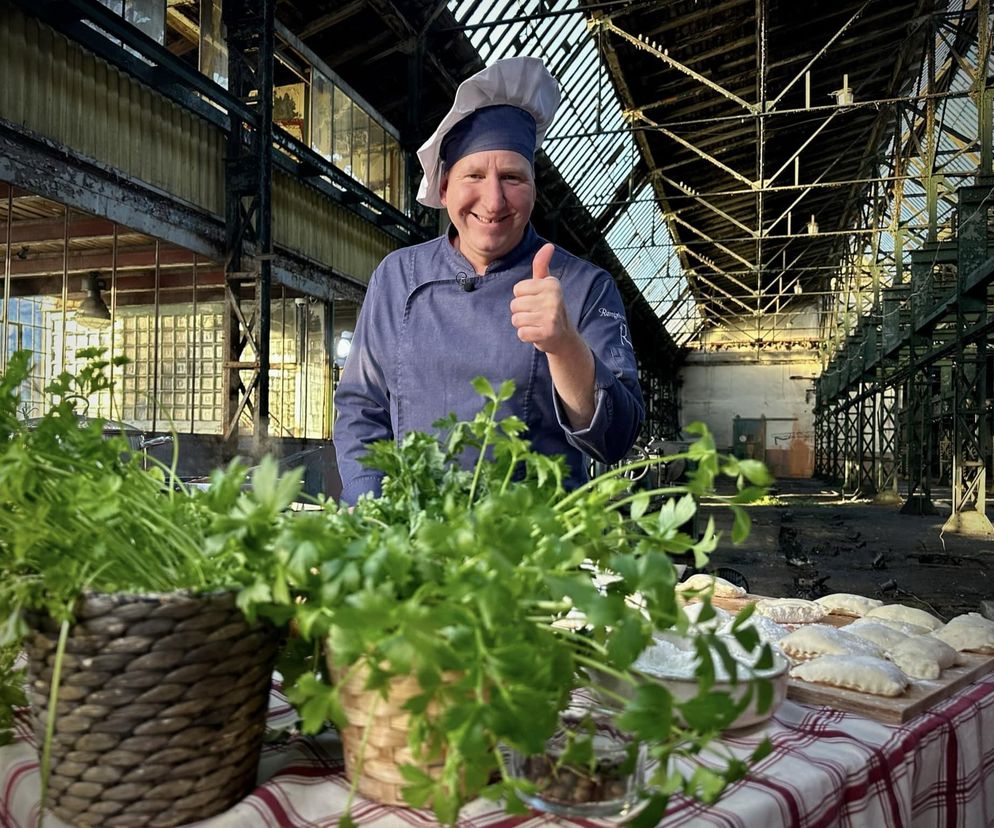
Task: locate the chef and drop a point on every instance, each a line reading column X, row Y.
column 489, row 298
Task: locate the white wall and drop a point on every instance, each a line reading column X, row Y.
column 717, row 386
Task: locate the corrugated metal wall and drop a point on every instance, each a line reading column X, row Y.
column 307, row 221
column 56, row 89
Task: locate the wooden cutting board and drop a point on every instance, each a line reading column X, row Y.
column 919, row 697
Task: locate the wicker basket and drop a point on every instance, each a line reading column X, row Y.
column 379, row 777
column 161, row 707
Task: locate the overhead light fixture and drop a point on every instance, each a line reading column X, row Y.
column 93, row 310
column 844, row 96
column 812, row 226
column 798, row 289
column 343, row 345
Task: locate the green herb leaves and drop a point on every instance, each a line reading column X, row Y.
column 78, row 510
column 494, row 576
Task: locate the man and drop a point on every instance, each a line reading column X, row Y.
column 489, row 298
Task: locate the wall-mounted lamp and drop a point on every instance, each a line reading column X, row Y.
column 343, row 345
column 93, row 310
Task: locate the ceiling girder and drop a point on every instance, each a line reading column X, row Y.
column 640, row 42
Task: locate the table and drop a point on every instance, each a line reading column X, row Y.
column 828, row 768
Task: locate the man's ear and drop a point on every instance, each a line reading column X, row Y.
column 443, row 187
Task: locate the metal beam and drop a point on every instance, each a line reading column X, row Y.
column 659, row 175
column 639, row 42
column 727, row 251
column 60, row 174
column 841, row 31
column 326, row 21
column 698, row 277
column 753, row 185
column 251, row 35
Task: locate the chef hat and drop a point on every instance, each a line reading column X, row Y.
column 521, row 82
column 500, row 127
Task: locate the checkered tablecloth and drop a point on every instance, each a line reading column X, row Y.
column 827, row 769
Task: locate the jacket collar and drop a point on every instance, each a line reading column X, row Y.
column 524, row 249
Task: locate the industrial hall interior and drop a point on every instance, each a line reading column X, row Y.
column 793, row 199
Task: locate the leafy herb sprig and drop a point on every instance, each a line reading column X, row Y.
column 79, row 511
column 457, row 576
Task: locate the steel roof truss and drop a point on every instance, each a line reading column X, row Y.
column 640, row 42
column 800, row 149
column 705, row 261
column 772, row 105
column 703, row 201
column 685, row 143
column 720, row 246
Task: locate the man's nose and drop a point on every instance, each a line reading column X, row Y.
column 493, row 193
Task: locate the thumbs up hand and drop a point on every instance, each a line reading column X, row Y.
column 540, row 264
column 537, row 310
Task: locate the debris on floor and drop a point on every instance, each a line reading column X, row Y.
column 813, row 541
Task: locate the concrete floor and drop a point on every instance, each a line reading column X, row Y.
column 813, row 541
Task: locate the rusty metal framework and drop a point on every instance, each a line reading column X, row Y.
column 753, row 177
column 248, row 219
column 915, row 299
column 752, row 163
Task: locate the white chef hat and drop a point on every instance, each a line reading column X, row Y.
column 521, row 82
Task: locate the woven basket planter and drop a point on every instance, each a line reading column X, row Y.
column 376, row 773
column 161, row 707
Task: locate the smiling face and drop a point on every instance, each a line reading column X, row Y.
column 489, row 197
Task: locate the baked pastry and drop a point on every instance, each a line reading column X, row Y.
column 865, row 674
column 923, row 657
column 900, row 626
column 880, row 634
column 791, row 610
column 846, row 603
column 971, row 632
column 701, row 582
column 906, row 615
column 812, row 640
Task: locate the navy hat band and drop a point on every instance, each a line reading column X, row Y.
column 500, row 127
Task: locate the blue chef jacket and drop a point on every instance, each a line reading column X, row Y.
column 421, row 337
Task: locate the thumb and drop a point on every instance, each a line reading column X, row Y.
column 540, row 264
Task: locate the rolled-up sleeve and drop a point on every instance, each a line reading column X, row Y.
column 362, row 399
column 619, row 409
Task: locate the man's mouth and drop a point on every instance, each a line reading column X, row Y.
column 485, row 220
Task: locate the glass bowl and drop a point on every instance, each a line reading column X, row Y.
column 590, row 768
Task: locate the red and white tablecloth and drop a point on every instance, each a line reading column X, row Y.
column 827, row 769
